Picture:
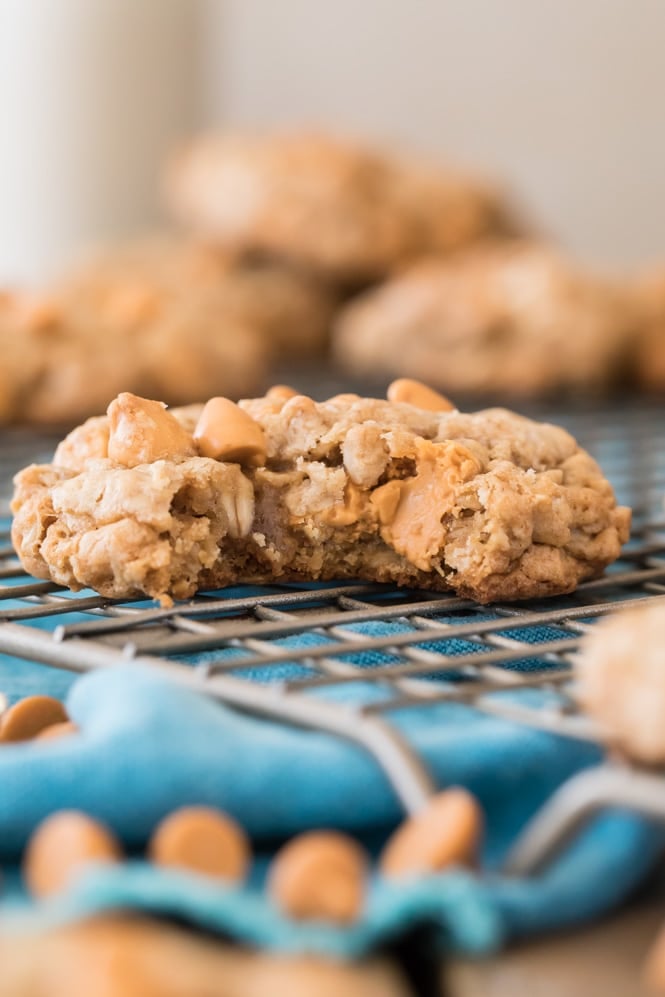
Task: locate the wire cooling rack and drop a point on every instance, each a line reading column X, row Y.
column 240, row 644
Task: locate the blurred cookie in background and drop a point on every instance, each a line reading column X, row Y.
column 620, row 673
column 289, row 308
column 512, row 318
column 322, row 203
column 449, row 209
column 648, row 347
column 50, row 370
column 172, row 320
column 60, row 362
column 343, row 210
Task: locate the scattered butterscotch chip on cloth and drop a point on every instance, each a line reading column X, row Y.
column 203, row 840
column 620, row 673
column 61, row 846
column 320, row 875
column 490, row 505
column 30, row 717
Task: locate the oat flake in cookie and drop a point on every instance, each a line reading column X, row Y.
column 489, row 505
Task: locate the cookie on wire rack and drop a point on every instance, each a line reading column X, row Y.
column 281, row 488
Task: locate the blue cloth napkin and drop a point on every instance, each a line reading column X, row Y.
column 148, row 746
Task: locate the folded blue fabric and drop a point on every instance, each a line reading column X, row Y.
column 148, row 746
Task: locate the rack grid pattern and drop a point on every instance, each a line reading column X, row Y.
column 269, row 651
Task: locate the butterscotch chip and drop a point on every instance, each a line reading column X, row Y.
column 58, row 730
column 225, row 432
column 142, row 431
column 61, row 847
column 386, row 500
column 27, row 718
column 320, row 875
column 446, row 832
column 489, row 504
column 418, row 394
column 203, row 840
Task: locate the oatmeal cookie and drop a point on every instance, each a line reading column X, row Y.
column 344, row 210
column 175, row 320
column 290, row 309
column 647, row 294
column 145, row 500
column 59, row 363
column 621, row 680
column 510, row 318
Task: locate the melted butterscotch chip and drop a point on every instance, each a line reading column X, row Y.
column 415, row 528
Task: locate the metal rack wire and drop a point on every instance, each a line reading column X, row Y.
column 240, row 656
